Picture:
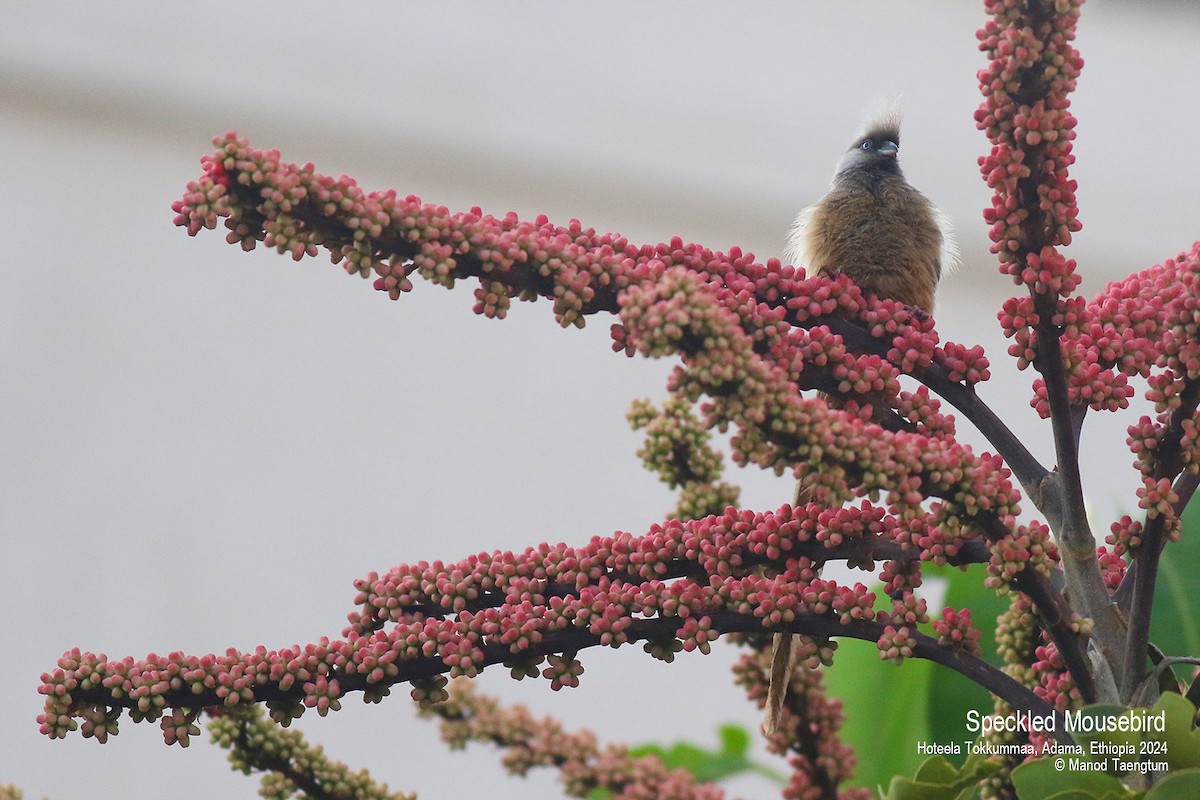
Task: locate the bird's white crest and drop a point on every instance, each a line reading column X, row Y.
column 887, row 112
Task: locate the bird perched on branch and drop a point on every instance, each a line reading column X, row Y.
column 889, row 239
column 873, row 226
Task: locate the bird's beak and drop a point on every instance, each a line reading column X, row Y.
column 888, row 149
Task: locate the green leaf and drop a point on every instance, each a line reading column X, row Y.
column 1043, row 779
column 711, row 765
column 956, row 694
column 937, row 779
column 887, row 710
column 1129, row 741
column 1183, row 785
column 1182, row 740
column 735, row 740
column 1175, row 625
column 937, row 770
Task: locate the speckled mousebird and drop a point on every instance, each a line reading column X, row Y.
column 873, row 226
column 889, row 239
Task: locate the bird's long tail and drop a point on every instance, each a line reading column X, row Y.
column 783, row 653
column 783, row 647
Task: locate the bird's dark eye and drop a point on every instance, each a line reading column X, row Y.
column 866, row 144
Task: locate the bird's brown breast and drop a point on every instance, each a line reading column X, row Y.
column 885, row 238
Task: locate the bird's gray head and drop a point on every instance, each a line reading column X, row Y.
column 874, row 154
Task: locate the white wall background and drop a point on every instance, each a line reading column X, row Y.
column 201, row 448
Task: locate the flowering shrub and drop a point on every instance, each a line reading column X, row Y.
column 892, row 487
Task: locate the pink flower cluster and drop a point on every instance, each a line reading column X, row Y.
column 1029, row 547
column 955, row 630
column 896, row 644
column 779, row 429
column 585, row 767
column 1054, row 681
column 1149, row 325
column 799, row 327
column 677, row 445
column 1026, row 647
column 790, row 330
column 292, row 767
column 808, row 731
column 939, row 536
column 678, row 448
column 300, row 212
column 682, row 582
column 297, row 211
column 1143, row 326
column 1033, row 68
column 1025, row 114
column 638, row 574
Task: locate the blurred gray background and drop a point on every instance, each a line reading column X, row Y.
column 202, row 448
